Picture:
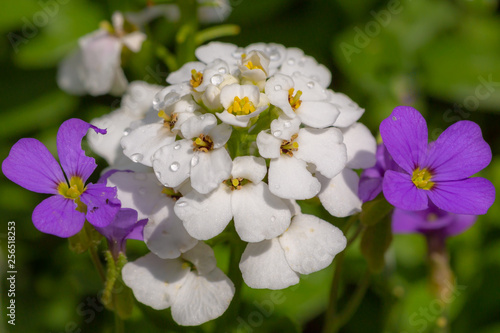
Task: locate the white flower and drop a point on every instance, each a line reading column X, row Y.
column 302, row 97
column 192, row 286
column 350, row 112
column 241, row 103
column 213, row 11
column 200, row 156
column 339, row 195
column 309, row 245
column 258, row 214
column 135, row 105
column 291, row 149
column 254, row 68
column 164, row 233
column 296, row 61
column 95, row 68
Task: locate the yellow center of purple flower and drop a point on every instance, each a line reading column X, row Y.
column 73, row 191
column 422, row 179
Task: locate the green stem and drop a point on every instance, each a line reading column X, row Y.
column 358, row 231
column 119, row 327
column 97, row 262
column 216, row 32
column 352, row 305
column 334, row 292
column 350, row 223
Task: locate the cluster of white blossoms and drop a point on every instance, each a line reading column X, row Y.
column 237, row 136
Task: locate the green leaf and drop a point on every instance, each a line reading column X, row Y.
column 372, row 212
column 374, row 242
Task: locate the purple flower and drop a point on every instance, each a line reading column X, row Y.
column 124, row 226
column 370, row 181
column 437, row 171
column 32, row 166
column 430, row 221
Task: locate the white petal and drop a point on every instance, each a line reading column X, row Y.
column 165, row 235
column 361, row 146
column 119, row 84
column 139, row 98
column 276, row 89
column 249, row 167
column 258, row 214
column 214, row 50
column 202, row 257
column 101, row 58
column 139, row 191
column 71, row 74
column 228, row 93
column 269, row 146
column 296, row 61
column 202, row 298
column 275, row 52
column 170, row 95
column 183, row 74
column 211, row 98
column 205, row 216
column 310, row 244
column 231, row 119
column 213, row 75
column 108, row 145
column 154, row 281
column 323, row 148
column 289, row 179
column 339, row 195
column 311, row 90
column 210, row 169
column 220, row 134
column 195, row 126
column 140, row 144
column 134, row 40
column 317, row 114
column 350, row 112
column 263, row 265
column 172, row 163
column 284, row 127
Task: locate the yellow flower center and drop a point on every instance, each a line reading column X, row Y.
column 294, row 101
column 288, row 147
column 170, row 192
column 168, row 121
column 73, row 191
column 422, row 179
column 236, row 183
column 249, row 64
column 241, row 107
column 203, row 143
column 196, row 78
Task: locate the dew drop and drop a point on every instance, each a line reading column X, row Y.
column 142, row 191
column 222, row 70
column 273, row 218
column 275, row 56
column 194, row 161
column 174, row 167
column 237, row 53
column 291, row 61
column 137, row 157
column 276, row 187
column 310, row 84
column 190, row 108
column 177, row 146
column 287, row 124
column 158, row 174
column 127, row 131
column 394, row 118
column 277, row 87
column 202, row 117
column 277, row 133
column 216, row 79
column 181, row 204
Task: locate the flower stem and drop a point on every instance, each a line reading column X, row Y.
column 119, row 327
column 97, row 262
column 334, row 292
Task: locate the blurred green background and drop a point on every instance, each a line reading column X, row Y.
column 442, row 57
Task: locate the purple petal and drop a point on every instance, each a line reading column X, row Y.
column 124, row 223
column 104, row 177
column 369, row 187
column 102, row 205
column 472, row 196
column 58, row 216
column 406, row 221
column 459, row 152
column 400, row 191
column 137, row 232
column 69, row 146
column 405, row 137
column 460, row 224
column 32, row 166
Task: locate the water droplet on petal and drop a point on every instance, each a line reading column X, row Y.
column 194, row 161
column 158, row 174
column 137, row 157
column 216, row 79
column 177, row 146
column 127, row 131
column 276, row 187
column 142, row 191
column 275, row 56
column 394, row 118
column 202, row 117
column 291, row 61
column 287, row 124
column 273, row 218
column 181, row 204
column 277, row 133
column 277, row 87
column 222, row 70
column 310, row 84
column 237, row 53
column 174, row 167
column 190, row 108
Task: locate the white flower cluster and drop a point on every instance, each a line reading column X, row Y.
column 237, row 136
